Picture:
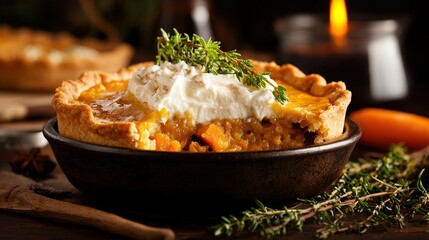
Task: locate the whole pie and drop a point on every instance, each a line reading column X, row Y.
column 39, row 61
column 99, row 108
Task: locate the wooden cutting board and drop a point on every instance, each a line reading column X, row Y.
column 21, row 109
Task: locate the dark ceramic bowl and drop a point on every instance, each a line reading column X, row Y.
column 179, row 179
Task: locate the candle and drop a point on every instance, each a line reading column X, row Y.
column 363, row 53
column 338, row 22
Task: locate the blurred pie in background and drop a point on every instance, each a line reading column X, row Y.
column 39, row 61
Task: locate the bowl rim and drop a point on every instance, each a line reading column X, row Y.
column 350, row 136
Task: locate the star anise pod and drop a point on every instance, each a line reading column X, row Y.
column 32, row 164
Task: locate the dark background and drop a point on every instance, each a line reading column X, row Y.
column 241, row 25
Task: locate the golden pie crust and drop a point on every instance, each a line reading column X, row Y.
column 315, row 114
column 20, row 72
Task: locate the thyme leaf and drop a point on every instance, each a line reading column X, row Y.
column 196, row 51
column 384, row 192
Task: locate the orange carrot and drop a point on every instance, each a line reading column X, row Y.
column 164, row 143
column 382, row 128
column 215, row 138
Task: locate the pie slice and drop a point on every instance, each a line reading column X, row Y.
column 98, row 108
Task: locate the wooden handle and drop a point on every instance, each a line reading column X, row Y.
column 22, row 200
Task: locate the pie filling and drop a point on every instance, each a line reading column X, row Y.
column 113, row 102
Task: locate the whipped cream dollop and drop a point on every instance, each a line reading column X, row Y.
column 181, row 88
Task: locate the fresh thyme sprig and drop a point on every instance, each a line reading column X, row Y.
column 380, row 190
column 208, row 55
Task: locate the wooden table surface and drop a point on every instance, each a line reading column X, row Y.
column 16, row 226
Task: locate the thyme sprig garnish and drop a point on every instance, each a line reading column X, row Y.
column 208, row 55
column 384, row 192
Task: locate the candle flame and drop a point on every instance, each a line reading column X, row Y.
column 338, row 21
